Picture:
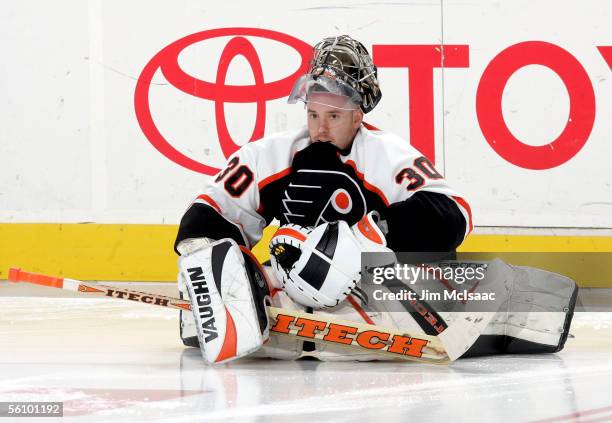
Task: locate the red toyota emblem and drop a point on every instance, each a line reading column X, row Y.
column 260, row 92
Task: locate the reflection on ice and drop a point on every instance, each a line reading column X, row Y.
column 107, row 359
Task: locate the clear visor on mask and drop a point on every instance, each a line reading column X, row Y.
column 324, row 90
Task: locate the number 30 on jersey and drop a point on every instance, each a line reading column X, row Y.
column 239, row 179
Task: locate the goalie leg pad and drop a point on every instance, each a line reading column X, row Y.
column 227, row 291
column 187, row 324
column 543, row 327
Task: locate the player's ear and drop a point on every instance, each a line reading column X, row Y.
column 357, row 118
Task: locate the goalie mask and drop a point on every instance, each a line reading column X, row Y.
column 341, row 66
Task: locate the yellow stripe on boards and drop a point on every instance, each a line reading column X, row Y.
column 537, row 243
column 589, row 264
column 142, row 252
column 90, row 251
column 115, row 252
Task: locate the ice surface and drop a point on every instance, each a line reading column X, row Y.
column 109, row 360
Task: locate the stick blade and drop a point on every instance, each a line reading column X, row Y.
column 13, row 274
column 18, row 275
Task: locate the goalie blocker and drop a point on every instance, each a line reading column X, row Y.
column 228, row 290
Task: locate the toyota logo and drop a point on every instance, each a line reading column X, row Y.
column 218, row 92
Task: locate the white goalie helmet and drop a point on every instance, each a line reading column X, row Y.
column 320, row 267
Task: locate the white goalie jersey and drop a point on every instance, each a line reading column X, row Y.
column 288, row 177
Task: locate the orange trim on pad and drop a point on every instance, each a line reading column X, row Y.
column 228, row 350
column 359, row 310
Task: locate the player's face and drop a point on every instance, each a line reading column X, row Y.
column 331, row 119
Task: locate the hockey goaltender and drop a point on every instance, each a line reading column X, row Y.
column 338, row 187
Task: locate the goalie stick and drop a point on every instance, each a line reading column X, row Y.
column 392, row 343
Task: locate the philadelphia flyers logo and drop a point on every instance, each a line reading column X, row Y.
column 314, row 197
